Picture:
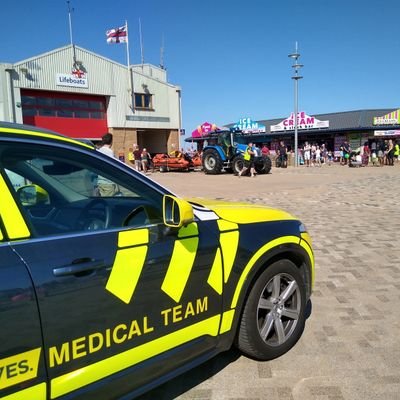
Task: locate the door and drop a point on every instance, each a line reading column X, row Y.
column 119, row 293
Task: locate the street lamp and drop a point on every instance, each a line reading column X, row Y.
column 296, row 77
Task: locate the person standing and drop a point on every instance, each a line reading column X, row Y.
column 390, row 152
column 397, row 152
column 346, row 152
column 365, row 154
column 282, row 154
column 307, row 153
column 318, row 156
column 137, row 157
column 144, row 157
column 105, row 187
column 248, row 158
column 105, row 145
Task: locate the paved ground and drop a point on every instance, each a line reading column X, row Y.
column 350, row 348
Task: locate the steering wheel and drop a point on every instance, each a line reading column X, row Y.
column 138, row 216
column 89, row 220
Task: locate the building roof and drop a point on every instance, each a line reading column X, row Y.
column 343, row 121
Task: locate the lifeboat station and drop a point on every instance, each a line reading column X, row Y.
column 83, row 95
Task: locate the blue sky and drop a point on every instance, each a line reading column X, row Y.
column 231, row 56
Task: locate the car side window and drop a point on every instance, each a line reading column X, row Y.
column 66, row 191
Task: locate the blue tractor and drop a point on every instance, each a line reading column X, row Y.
column 223, row 151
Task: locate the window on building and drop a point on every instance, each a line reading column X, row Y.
column 143, row 100
column 48, row 106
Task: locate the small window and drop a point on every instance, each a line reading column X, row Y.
column 45, row 101
column 47, row 112
column 81, row 114
column 143, row 100
column 29, row 112
column 64, row 103
column 80, row 104
column 96, row 115
column 96, row 105
column 28, row 100
column 65, row 113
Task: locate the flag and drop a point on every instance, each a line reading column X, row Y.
column 117, row 35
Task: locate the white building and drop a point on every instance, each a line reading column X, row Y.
column 78, row 93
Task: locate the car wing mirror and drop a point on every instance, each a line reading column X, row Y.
column 176, row 212
column 31, row 195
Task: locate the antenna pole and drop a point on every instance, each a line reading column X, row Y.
column 141, row 42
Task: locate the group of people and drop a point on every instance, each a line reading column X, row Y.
column 316, row 155
column 383, row 152
column 140, row 159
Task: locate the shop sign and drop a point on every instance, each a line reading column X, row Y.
column 247, row 125
column 203, row 129
column 304, row 121
column 72, row 80
column 387, row 133
column 393, row 118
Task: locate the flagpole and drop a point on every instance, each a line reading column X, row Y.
column 70, row 32
column 132, row 105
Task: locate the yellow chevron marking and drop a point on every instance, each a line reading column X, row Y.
column 181, row 264
column 262, row 250
column 227, row 320
column 1, row 235
column 229, row 243
column 226, row 225
column 12, row 218
column 215, row 278
column 91, row 373
column 189, row 230
column 126, row 271
column 128, row 263
column 133, row 237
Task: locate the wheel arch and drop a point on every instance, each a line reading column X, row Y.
column 290, row 251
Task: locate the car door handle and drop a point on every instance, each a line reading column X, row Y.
column 80, row 267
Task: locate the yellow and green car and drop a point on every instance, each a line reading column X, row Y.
column 110, row 284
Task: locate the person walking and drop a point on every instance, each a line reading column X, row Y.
column 248, row 158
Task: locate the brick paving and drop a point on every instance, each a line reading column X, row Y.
column 350, row 348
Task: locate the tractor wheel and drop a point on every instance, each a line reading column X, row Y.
column 212, row 163
column 237, row 164
column 263, row 165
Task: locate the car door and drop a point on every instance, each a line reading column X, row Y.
column 22, row 367
column 119, row 293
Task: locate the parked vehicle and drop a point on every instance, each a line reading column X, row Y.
column 109, row 293
column 223, row 151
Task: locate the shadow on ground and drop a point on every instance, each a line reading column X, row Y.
column 190, row 379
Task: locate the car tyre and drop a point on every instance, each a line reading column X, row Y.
column 274, row 314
